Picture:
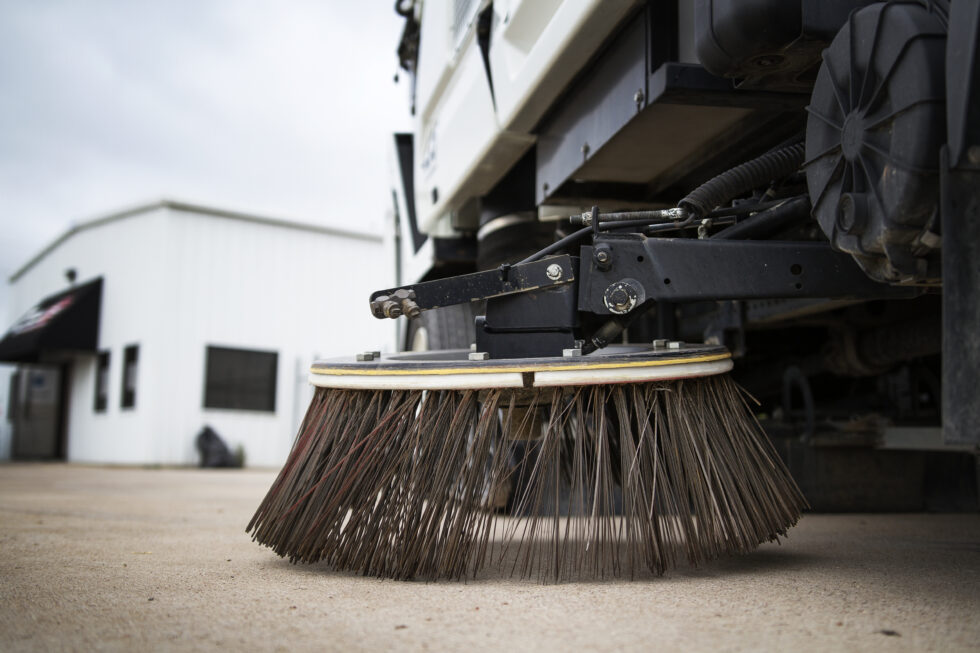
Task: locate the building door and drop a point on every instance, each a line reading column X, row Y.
column 37, row 411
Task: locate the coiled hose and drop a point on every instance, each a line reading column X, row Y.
column 743, row 178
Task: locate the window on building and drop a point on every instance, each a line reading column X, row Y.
column 240, row 379
column 102, row 382
column 131, row 358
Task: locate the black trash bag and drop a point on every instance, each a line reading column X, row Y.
column 214, row 452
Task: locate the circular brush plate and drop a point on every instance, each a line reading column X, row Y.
column 452, row 369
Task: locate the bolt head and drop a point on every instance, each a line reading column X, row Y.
column 479, row 356
column 660, row 343
column 619, row 297
column 365, row 356
column 554, row 272
column 602, row 256
column 675, row 344
column 571, row 353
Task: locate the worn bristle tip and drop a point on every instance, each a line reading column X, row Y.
column 557, row 484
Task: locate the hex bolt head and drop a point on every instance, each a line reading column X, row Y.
column 602, row 256
column 553, row 271
column 621, row 297
column 571, row 353
column 365, row 356
column 675, row 344
column 479, row 356
column 660, row 343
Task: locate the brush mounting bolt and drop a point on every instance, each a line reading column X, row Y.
column 367, row 356
column 675, row 344
column 602, row 256
column 621, row 297
column 553, row 271
column 660, row 343
column 406, row 302
column 391, row 308
column 411, row 309
column 384, row 306
column 479, row 356
column 572, row 353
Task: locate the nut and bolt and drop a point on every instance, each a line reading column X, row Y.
column 675, row 344
column 619, row 298
column 554, row 272
column 411, row 309
column 479, row 356
column 368, row 356
column 401, row 302
column 660, row 343
column 638, row 99
column 623, row 296
column 571, row 353
column 391, row 308
column 602, row 257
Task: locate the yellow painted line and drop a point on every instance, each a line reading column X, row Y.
column 335, row 371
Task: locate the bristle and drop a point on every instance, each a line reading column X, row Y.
column 401, row 484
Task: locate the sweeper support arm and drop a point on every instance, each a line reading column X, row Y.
column 542, row 307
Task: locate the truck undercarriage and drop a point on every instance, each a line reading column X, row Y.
column 796, row 181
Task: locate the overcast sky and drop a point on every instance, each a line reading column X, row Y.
column 280, row 108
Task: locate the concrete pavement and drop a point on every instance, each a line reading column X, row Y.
column 128, row 559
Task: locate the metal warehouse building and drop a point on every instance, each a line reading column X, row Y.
column 139, row 328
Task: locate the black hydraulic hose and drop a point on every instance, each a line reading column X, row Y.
column 744, row 208
column 570, row 239
column 769, row 222
column 743, row 178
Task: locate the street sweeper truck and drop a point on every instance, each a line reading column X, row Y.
column 638, row 243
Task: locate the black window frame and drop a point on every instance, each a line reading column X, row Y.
column 238, row 378
column 103, row 363
column 130, row 360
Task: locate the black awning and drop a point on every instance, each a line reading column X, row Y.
column 67, row 321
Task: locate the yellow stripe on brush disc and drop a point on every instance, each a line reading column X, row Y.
column 339, row 371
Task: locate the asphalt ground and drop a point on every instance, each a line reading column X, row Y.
column 144, row 559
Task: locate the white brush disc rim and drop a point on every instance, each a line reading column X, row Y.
column 541, row 373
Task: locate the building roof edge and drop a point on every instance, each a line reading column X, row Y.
column 188, row 207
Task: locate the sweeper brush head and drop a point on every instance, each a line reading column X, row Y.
column 437, row 466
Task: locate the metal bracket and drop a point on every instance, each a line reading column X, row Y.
column 687, row 270
column 505, row 280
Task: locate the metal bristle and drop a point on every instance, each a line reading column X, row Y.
column 401, row 484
